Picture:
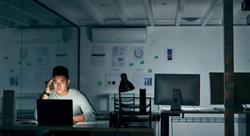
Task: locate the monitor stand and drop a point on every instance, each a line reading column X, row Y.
column 175, row 110
column 176, row 100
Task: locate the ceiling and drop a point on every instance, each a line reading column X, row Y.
column 27, row 13
column 37, row 13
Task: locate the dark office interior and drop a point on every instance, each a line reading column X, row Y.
column 147, row 67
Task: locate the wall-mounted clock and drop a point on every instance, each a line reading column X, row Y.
column 138, row 52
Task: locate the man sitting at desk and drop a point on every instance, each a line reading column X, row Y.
column 58, row 88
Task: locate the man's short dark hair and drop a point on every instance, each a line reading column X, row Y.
column 61, row 71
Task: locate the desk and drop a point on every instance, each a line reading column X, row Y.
column 165, row 115
column 88, row 128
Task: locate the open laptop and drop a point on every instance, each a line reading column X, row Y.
column 54, row 112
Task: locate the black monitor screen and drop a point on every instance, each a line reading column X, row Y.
column 188, row 84
column 241, row 85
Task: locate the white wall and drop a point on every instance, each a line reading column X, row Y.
column 196, row 50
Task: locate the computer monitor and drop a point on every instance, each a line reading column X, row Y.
column 177, row 89
column 241, row 85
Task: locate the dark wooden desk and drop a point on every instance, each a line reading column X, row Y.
column 89, row 128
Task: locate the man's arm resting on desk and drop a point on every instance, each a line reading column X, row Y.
column 89, row 116
column 79, row 118
column 86, row 108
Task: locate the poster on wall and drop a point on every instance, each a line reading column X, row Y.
column 13, row 78
column 98, row 56
column 169, row 54
column 112, row 80
column 118, row 56
column 61, row 55
column 141, row 79
column 34, row 67
column 41, row 56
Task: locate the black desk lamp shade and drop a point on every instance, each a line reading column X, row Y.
column 125, row 85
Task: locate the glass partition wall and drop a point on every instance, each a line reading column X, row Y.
column 241, row 67
column 32, row 41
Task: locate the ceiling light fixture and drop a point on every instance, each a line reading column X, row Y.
column 190, row 19
column 102, row 4
column 164, row 3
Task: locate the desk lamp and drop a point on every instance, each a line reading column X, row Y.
column 125, row 86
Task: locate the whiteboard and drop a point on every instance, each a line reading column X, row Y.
column 26, row 65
